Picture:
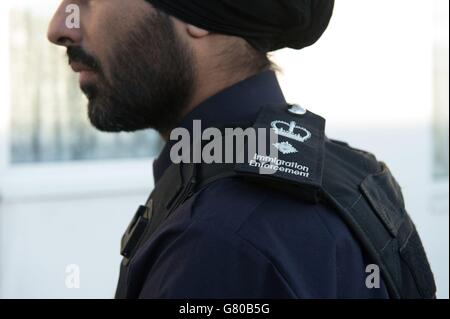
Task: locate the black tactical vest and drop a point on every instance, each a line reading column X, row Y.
column 316, row 169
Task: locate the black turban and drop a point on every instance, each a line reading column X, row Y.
column 268, row 25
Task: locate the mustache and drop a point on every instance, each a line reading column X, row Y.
column 79, row 55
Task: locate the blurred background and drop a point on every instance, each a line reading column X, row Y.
column 67, row 192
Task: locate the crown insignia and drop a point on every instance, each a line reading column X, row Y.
column 291, row 131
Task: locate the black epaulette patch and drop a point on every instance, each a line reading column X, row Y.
column 294, row 148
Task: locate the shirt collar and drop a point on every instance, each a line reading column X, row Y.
column 238, row 103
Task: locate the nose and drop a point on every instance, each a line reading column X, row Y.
column 60, row 32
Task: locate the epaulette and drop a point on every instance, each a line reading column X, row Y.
column 293, row 154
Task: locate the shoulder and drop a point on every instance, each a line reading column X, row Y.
column 208, row 259
column 307, row 245
column 243, row 207
column 281, row 245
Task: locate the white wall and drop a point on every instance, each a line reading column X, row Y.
column 370, row 76
column 40, row 239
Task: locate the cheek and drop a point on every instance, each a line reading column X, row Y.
column 107, row 25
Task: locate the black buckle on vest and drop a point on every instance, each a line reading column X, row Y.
column 136, row 229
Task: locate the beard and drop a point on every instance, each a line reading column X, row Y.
column 149, row 83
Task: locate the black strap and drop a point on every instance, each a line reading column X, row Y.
column 176, row 185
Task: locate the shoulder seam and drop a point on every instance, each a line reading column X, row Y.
column 286, row 282
column 260, row 254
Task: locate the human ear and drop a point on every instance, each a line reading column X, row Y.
column 196, row 32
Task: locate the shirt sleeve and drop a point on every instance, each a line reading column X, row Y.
column 209, row 262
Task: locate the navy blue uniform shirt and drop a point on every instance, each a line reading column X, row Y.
column 236, row 239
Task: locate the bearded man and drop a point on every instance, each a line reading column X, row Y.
column 335, row 229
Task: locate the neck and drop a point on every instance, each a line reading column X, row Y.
column 210, row 81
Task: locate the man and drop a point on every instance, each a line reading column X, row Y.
column 321, row 230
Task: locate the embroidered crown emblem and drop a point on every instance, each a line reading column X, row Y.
column 291, row 131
